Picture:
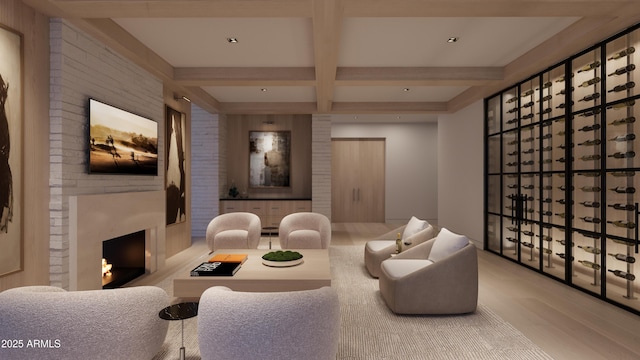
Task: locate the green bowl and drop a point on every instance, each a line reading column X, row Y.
column 282, row 255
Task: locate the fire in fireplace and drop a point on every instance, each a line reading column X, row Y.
column 126, row 255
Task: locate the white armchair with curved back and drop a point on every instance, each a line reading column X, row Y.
column 269, row 325
column 237, row 230
column 305, row 230
column 119, row 323
column 439, row 276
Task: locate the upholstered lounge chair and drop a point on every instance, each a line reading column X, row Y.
column 120, row 323
column 305, row 230
column 439, row 276
column 237, row 230
column 268, row 326
column 415, row 232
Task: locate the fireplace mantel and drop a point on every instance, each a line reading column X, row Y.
column 96, row 218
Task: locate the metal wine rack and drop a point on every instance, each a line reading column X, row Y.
column 563, row 171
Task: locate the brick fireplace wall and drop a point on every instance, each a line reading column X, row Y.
column 82, row 67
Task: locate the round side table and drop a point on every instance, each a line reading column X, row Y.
column 180, row 312
column 270, row 230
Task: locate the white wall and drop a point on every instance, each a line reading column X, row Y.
column 411, row 183
column 460, row 172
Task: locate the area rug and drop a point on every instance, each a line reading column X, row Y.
column 369, row 331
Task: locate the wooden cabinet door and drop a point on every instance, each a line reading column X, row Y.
column 357, row 180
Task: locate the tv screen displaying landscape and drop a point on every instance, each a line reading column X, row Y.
column 121, row 142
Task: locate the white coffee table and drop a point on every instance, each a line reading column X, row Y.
column 253, row 276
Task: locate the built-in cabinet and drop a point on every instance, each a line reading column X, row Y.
column 562, row 173
column 270, row 211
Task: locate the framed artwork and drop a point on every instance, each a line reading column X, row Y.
column 269, row 158
column 175, row 177
column 121, row 142
column 11, row 123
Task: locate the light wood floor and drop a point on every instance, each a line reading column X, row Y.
column 564, row 322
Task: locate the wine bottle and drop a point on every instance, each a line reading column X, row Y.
column 589, row 174
column 562, row 106
column 591, row 204
column 563, row 215
column 546, row 148
column 589, row 234
column 623, row 224
column 527, row 244
column 623, row 274
column 623, row 257
column 590, row 219
column 398, row 243
column 591, row 97
column 626, row 207
column 511, row 100
column 512, row 142
column 589, row 82
column 623, row 155
column 528, row 162
column 547, row 85
column 563, row 160
column 590, row 142
column 627, row 137
column 528, row 187
column 512, row 121
column 511, row 111
column 591, row 112
column 528, row 233
column 589, row 264
column 527, row 93
column 623, row 173
column 590, row 66
column 545, row 237
column 590, row 249
column 626, row 52
column 528, row 105
column 545, row 98
column 624, row 242
column 624, row 189
column 623, row 87
column 528, row 151
column 563, row 188
column 511, row 228
column 545, row 111
column 590, row 157
column 591, row 188
column 546, row 200
column 623, row 70
column 513, row 240
column 563, row 256
column 513, row 153
column 622, row 105
column 547, row 161
column 511, row 164
column 590, row 127
column 512, row 186
column 545, row 250
column 529, row 139
column 563, row 242
column 528, row 116
column 545, row 136
column 545, row 213
column 547, row 187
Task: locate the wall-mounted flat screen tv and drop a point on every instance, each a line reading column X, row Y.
column 121, row 142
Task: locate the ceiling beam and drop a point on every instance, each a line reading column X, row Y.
column 481, row 8
column 245, row 76
column 327, row 25
column 182, row 8
column 389, row 108
column 269, row 108
column 422, row 76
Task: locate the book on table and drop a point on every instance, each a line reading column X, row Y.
column 229, row 258
column 216, row 269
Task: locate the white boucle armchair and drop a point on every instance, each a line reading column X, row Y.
column 268, row 326
column 305, row 230
column 236, row 230
column 119, row 323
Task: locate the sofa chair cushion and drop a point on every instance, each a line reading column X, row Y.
column 229, row 238
column 305, row 239
column 413, row 227
column 397, row 268
column 446, row 244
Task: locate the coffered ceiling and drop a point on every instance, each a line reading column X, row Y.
column 344, row 57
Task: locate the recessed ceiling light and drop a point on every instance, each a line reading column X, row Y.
column 264, row 89
column 452, row 39
column 406, row 89
column 232, row 40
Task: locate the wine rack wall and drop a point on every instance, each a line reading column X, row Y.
column 563, row 171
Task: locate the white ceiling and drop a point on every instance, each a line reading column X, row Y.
column 345, row 57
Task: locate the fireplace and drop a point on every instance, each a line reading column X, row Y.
column 126, row 255
column 94, row 219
